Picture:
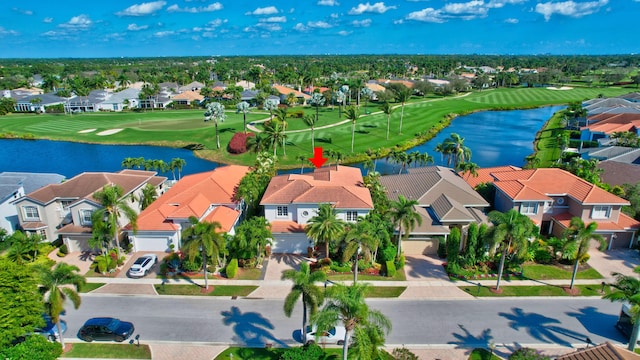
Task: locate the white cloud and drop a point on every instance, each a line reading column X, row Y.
column 335, row 16
column 269, row 10
column 194, row 10
column 468, row 10
column 569, row 8
column 48, row 20
column 511, row 21
column 378, row 8
column 319, row 24
column 80, row 22
column 301, row 27
column 143, row 9
column 328, row 2
column 22, row 11
column 361, row 23
column 274, row 19
column 426, row 15
column 496, row 4
column 208, row 35
column 4, row 32
column 398, row 22
column 164, row 33
column 213, row 24
column 344, row 33
column 269, row 26
column 135, row 27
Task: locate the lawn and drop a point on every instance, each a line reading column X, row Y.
column 238, row 353
column 178, row 128
column 108, row 351
column 89, row 287
column 547, row 272
column 482, row 354
column 218, row 290
column 540, row 290
column 399, row 276
column 243, row 274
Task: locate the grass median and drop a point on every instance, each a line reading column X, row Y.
column 535, row 290
column 108, row 351
column 197, row 290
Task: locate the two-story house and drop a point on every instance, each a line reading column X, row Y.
column 64, row 210
column 209, row 196
column 292, row 199
column 552, row 197
column 445, row 201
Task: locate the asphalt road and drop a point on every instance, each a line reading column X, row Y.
column 255, row 322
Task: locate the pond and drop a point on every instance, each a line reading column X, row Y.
column 494, row 137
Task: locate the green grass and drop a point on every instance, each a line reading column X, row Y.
column 548, row 272
column 482, row 354
column 399, row 276
column 89, row 287
column 108, row 351
column 178, row 128
column 269, row 354
column 546, row 142
column 218, row 290
column 385, row 291
column 243, row 274
column 539, row 290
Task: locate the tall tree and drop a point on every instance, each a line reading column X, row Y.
column 346, row 305
column 215, row 113
column 580, row 235
column 402, row 96
column 243, row 107
column 58, row 285
column 352, row 114
column 274, row 132
column 469, row 168
column 510, row 234
column 388, row 109
column 358, row 240
column 317, row 100
column 454, row 150
column 405, row 217
column 311, row 121
column 325, row 226
column 270, row 105
column 627, row 290
column 304, row 285
column 149, row 195
column 114, row 207
column 177, row 164
column 203, row 238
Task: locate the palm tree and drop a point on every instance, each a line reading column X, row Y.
column 274, row 131
column 203, row 238
column 358, row 241
column 257, row 143
column 215, row 113
column 177, row 164
column 469, row 168
column 627, row 290
column 114, row 207
column 454, row 150
column 311, row 122
column 128, row 163
column 580, row 236
column 23, row 247
column 399, row 157
column 352, row 114
column 346, row 305
column 243, row 107
column 316, row 101
column 403, row 95
column 404, row 215
column 304, row 286
column 57, row 285
column 149, row 195
column 302, row 160
column 511, row 232
column 325, row 226
column 388, row 109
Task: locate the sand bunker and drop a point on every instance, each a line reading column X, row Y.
column 108, row 132
column 86, row 131
column 560, row 88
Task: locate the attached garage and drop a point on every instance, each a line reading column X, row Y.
column 151, row 244
column 77, row 244
column 290, row 243
column 420, row 247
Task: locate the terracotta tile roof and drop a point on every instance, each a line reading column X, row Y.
column 341, row 187
column 606, row 351
column 192, row 196
column 484, row 175
column 537, row 183
column 227, row 217
column 284, row 90
column 286, row 227
column 83, row 186
column 189, row 95
column 74, row 229
column 34, row 225
column 624, row 223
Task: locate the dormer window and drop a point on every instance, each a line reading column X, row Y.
column 601, row 212
column 31, row 213
column 529, row 208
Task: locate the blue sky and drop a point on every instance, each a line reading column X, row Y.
column 73, row 28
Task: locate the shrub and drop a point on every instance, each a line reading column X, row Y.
column 403, row 354
column 232, row 269
column 363, row 265
column 391, row 268
column 527, row 354
column 306, row 352
column 298, row 114
column 388, row 253
column 192, row 266
column 400, row 262
column 238, row 143
column 442, row 249
column 63, row 249
column 542, row 256
column 340, row 267
column 585, row 258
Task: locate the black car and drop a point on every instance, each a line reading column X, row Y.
column 105, row 328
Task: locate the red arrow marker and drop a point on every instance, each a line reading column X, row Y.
column 317, row 158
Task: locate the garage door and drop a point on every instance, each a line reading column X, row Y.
column 290, row 243
column 420, row 247
column 151, row 244
column 77, row 245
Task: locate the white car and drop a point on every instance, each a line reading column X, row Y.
column 142, row 265
column 335, row 335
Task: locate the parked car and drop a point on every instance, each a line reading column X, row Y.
column 50, row 330
column 335, row 335
column 106, row 328
column 142, row 265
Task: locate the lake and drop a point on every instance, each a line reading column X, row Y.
column 494, row 137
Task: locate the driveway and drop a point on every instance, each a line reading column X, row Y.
column 130, row 258
column 424, row 267
column 621, row 261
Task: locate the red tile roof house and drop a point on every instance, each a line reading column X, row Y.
column 445, row 201
column 209, row 196
column 291, row 200
column 64, row 210
column 552, row 197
